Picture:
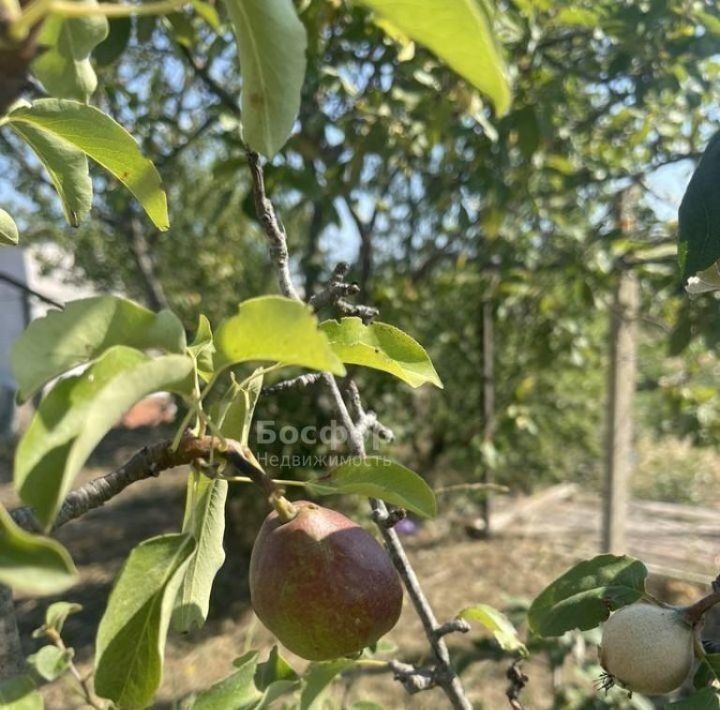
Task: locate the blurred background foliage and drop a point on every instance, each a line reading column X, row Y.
column 441, row 207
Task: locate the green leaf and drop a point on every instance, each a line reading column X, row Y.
column 699, row 215
column 8, row 229
column 584, row 596
column 457, row 31
column 88, row 129
column 235, row 410
column 67, row 167
column 705, row 699
column 76, row 415
column 496, row 622
column 166, row 373
column 237, row 691
column 275, row 669
column 112, row 48
column 271, row 43
column 316, row 678
column 31, row 563
column 275, row 329
column 202, row 347
column 381, row 347
column 208, row 13
column 55, row 616
column 376, row 477
column 41, row 476
column 251, row 687
column 205, row 521
column 708, row 670
column 20, row 693
column 50, row 662
column 64, row 67
column 82, row 331
column 131, row 636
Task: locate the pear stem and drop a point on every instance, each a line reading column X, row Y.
column 695, row 612
column 242, row 459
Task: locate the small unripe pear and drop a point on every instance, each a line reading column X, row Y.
column 322, row 584
column 647, row 648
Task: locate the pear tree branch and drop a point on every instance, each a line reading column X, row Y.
column 414, row 679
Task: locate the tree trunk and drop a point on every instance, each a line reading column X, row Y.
column 488, row 401
column 621, row 393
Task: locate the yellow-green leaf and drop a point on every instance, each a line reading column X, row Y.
column 498, row 624
column 32, row 563
column 275, row 329
column 271, row 41
column 381, row 347
column 8, row 229
column 93, row 132
column 457, row 31
column 131, row 637
column 376, row 477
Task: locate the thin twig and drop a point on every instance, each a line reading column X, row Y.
column 518, row 680
column 272, row 227
column 442, row 674
column 336, row 289
column 83, row 682
column 295, row 383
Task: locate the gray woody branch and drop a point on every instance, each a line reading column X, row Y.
column 414, row 679
column 149, row 462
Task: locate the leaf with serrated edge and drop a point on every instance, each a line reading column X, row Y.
column 67, row 167
column 381, row 347
column 271, row 42
column 586, row 594
column 32, row 563
column 131, row 637
column 275, row 329
column 498, row 624
column 82, row 331
column 105, row 141
column 8, row 229
column 379, row 478
column 457, row 31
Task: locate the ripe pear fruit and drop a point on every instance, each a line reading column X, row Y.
column 647, row 648
column 323, row 585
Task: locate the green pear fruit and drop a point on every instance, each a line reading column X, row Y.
column 323, row 585
column 647, row 648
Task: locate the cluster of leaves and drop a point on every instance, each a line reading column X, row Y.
column 171, row 576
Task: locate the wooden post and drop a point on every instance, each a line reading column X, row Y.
column 488, row 401
column 621, row 393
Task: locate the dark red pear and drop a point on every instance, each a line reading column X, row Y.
column 323, row 585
